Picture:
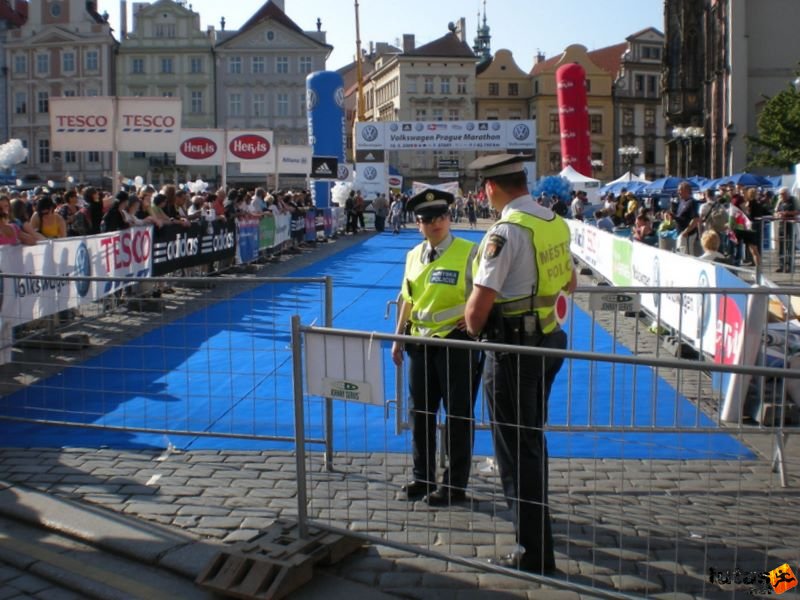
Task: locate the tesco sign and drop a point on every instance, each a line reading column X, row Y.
column 149, row 121
column 82, row 121
column 249, row 147
column 198, row 148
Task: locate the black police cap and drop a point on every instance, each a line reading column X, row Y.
column 430, row 202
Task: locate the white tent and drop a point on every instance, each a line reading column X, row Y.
column 581, row 182
column 629, row 176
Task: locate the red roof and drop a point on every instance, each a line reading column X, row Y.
column 449, row 45
column 608, row 59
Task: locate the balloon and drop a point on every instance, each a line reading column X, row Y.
column 138, row 181
column 51, row 183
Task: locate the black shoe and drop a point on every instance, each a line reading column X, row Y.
column 522, row 562
column 417, row 489
column 445, row 496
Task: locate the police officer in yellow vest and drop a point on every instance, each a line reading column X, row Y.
column 524, row 265
column 436, row 284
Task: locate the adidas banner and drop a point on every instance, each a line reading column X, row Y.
column 324, row 167
column 178, row 247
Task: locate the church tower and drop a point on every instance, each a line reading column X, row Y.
column 483, row 41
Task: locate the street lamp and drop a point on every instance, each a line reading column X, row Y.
column 687, row 135
column 629, row 154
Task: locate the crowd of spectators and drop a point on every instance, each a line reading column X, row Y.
column 725, row 225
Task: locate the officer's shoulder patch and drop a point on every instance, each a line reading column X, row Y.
column 494, row 246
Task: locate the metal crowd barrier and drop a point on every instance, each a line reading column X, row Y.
column 129, row 363
column 683, row 502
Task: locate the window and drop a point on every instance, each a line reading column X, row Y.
column 513, row 89
column 445, row 85
column 421, row 114
column 461, row 85
column 165, row 30
column 235, row 65
column 452, row 114
column 166, row 65
column 306, row 65
column 167, row 94
column 68, row 62
column 93, row 92
column 43, row 102
column 258, row 65
column 21, row 103
column 92, row 60
column 638, row 84
column 283, row 104
column 42, row 64
column 55, row 9
column 411, row 85
column 196, row 103
column 649, row 117
column 302, row 104
column 651, row 52
column 259, row 105
column 514, row 115
column 555, row 162
column 596, row 123
column 70, row 156
column 438, row 114
column 282, row 64
column 21, row 64
column 554, row 126
column 627, row 117
column 137, row 66
column 68, row 93
column 429, row 85
column 650, row 150
column 44, row 151
column 588, row 85
column 235, row 105
column 196, row 64
column 491, row 115
column 651, row 84
column 93, row 156
column 494, row 88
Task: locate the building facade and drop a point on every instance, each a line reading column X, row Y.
column 167, row 54
column 433, row 82
column 13, row 14
column 601, row 68
column 502, row 90
column 639, row 118
column 751, row 52
column 65, row 48
column 261, row 72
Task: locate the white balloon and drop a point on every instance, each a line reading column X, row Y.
column 51, row 183
column 138, row 180
column 70, row 179
column 19, row 182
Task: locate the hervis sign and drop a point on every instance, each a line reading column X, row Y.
column 201, row 147
column 615, row 301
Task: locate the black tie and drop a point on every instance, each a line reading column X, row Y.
column 432, row 255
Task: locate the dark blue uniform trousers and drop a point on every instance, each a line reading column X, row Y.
column 517, row 389
column 448, row 377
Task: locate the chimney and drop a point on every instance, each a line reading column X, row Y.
column 222, row 24
column 540, row 57
column 408, row 42
column 461, row 29
column 123, row 18
column 319, row 24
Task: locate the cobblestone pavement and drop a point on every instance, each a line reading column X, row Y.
column 641, row 527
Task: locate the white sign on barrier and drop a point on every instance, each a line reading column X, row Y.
column 126, row 253
column 343, row 368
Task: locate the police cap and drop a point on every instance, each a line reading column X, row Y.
column 430, row 202
column 495, row 165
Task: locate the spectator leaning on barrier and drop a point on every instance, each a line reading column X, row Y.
column 786, row 210
column 603, row 220
column 19, row 216
column 91, row 198
column 687, row 220
column 10, row 232
column 115, row 219
column 710, row 242
column 46, row 221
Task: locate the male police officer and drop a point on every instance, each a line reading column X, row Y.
column 436, row 285
column 524, row 265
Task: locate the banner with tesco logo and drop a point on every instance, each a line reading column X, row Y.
column 201, row 147
column 88, row 123
column 148, row 124
column 83, row 123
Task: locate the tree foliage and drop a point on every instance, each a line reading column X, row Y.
column 778, row 141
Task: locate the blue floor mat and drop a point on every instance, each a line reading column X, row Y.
column 227, row 368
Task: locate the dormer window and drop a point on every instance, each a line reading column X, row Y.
column 55, row 9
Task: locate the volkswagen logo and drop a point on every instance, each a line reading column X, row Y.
column 495, row 126
column 370, row 173
column 419, row 126
column 370, row 133
column 338, row 97
column 83, row 268
column 394, row 126
column 521, row 132
column 311, row 99
column 344, row 172
column 470, row 126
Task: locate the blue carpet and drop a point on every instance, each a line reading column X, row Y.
column 227, row 368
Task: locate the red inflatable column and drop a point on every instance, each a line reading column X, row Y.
column 573, row 113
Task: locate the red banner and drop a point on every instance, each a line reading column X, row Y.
column 573, row 113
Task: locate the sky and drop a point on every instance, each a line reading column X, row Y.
column 523, row 26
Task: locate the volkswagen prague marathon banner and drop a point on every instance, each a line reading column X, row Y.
column 446, row 135
column 179, row 247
